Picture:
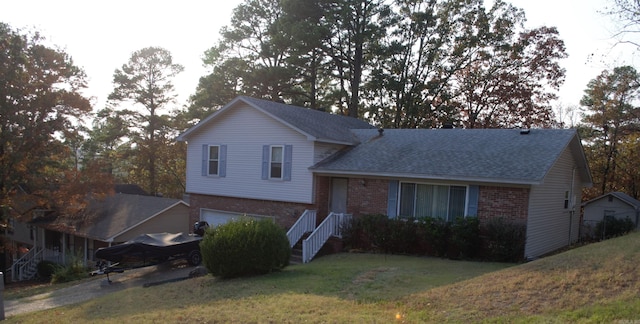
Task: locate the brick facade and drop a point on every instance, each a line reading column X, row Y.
column 322, row 196
column 507, row 202
column 367, row 196
column 364, row 196
column 284, row 213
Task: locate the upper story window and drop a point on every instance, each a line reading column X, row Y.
column 277, row 162
column 275, row 165
column 214, row 160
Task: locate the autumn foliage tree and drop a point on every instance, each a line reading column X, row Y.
column 398, row 64
column 611, row 128
column 40, row 101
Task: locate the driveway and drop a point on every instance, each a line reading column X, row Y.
column 140, row 277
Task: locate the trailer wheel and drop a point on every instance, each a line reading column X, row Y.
column 194, row 258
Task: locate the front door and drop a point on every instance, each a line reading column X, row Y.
column 338, row 202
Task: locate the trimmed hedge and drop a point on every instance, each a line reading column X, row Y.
column 245, row 247
column 504, row 240
column 460, row 239
column 610, row 227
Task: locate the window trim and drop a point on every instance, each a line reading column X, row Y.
column 209, row 160
column 222, row 160
column 272, row 162
column 286, row 163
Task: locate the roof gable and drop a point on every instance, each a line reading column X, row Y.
column 315, row 125
column 618, row 195
column 490, row 155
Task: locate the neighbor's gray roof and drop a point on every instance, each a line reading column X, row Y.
column 484, row 155
column 635, row 203
column 316, row 125
column 121, row 212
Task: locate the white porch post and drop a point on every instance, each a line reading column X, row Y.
column 86, row 253
column 64, row 248
column 44, row 234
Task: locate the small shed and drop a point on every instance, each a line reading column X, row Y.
column 615, row 204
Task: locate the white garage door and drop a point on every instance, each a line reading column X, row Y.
column 216, row 217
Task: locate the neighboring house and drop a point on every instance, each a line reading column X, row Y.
column 615, row 204
column 116, row 219
column 275, row 160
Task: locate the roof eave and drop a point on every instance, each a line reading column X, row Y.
column 429, row 177
column 330, row 141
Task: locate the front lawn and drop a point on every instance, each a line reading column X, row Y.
column 597, row 283
column 336, row 288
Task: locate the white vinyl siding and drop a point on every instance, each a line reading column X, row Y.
column 549, row 225
column 244, row 158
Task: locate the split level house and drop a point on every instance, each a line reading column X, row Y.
column 129, row 212
column 268, row 159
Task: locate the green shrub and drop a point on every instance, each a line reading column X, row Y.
column 379, row 233
column 245, row 247
column 436, row 233
column 504, row 240
column 465, row 238
column 612, row 227
column 73, row 270
column 46, row 269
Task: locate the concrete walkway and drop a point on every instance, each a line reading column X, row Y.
column 100, row 286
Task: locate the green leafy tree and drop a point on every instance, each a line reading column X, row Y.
column 250, row 59
column 402, row 64
column 355, row 29
column 413, row 67
column 144, row 86
column 40, row 101
column 610, row 128
column 457, row 62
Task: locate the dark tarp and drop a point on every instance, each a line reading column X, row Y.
column 151, row 246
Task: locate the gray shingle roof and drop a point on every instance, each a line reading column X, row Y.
column 120, row 212
column 493, row 155
column 319, row 126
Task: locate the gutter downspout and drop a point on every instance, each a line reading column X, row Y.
column 572, row 202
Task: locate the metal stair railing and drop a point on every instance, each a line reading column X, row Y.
column 306, row 223
column 22, row 269
column 330, row 226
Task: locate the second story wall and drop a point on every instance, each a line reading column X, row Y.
column 243, row 136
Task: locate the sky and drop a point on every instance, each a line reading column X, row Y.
column 100, row 36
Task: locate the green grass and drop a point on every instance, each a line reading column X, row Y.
column 597, row 283
column 341, row 287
